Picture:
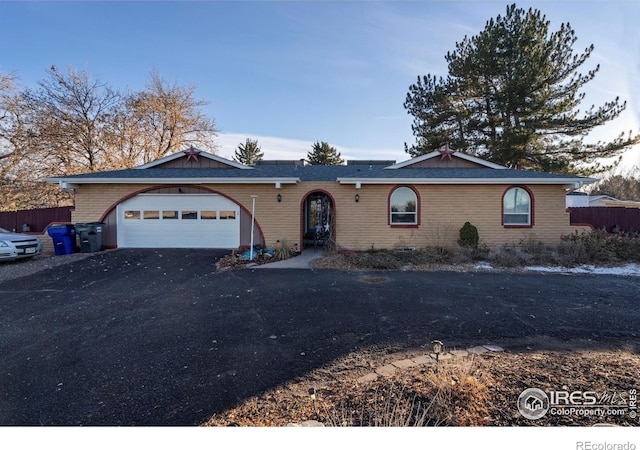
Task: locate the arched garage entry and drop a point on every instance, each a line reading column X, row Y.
column 178, row 217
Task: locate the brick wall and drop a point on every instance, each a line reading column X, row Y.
column 443, row 210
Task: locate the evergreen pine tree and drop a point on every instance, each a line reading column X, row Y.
column 512, row 96
column 248, row 153
column 323, row 154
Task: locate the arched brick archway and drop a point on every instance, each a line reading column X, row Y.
column 109, row 217
column 318, row 220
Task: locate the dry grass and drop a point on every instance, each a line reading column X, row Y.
column 597, row 247
column 482, row 391
column 465, row 392
column 455, row 395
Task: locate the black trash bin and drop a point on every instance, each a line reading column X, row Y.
column 90, row 236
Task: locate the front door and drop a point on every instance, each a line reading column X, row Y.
column 319, row 223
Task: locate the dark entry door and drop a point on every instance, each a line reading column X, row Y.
column 319, row 221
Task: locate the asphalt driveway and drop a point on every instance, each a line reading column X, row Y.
column 144, row 337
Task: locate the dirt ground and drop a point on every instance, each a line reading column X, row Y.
column 472, row 391
column 482, row 390
column 119, row 354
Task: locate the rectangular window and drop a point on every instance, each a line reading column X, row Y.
column 516, row 219
column 154, row 215
column 227, row 215
column 208, row 215
column 169, row 215
column 315, row 214
column 189, row 215
column 132, row 215
column 403, row 217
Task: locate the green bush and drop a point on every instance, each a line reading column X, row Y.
column 469, row 236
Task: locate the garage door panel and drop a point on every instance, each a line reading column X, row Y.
column 178, row 221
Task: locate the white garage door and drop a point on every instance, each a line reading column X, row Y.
column 178, row 221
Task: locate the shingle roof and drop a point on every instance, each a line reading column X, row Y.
column 348, row 174
column 319, row 173
column 170, row 173
column 458, row 173
column 303, row 173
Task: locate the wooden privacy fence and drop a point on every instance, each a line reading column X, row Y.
column 612, row 219
column 34, row 220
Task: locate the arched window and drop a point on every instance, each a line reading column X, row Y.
column 403, row 207
column 516, row 207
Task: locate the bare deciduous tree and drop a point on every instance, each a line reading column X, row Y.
column 71, row 117
column 622, row 187
column 76, row 123
column 166, row 118
column 12, row 130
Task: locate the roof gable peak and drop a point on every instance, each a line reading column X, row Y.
column 446, row 157
column 191, row 155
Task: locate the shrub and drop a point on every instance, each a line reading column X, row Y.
column 282, row 250
column 595, row 247
column 455, row 395
column 469, row 236
column 509, row 256
column 600, row 246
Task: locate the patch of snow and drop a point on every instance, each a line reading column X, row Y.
column 628, row 270
column 493, row 348
column 483, row 266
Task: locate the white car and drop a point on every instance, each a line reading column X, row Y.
column 16, row 245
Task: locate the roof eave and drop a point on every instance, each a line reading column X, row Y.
column 564, row 181
column 204, row 180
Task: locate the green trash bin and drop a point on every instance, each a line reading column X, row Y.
column 90, row 236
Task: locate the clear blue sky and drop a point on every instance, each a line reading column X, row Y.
column 293, row 72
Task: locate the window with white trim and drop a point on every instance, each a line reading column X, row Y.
column 403, row 207
column 516, row 205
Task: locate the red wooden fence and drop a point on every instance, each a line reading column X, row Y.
column 34, row 220
column 611, row 219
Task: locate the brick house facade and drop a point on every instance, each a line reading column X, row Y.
column 420, row 202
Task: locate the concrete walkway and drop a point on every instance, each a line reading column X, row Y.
column 426, row 359
column 302, row 261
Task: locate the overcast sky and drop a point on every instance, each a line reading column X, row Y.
column 290, row 73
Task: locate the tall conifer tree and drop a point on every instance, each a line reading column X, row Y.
column 248, row 153
column 512, row 97
column 323, row 154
